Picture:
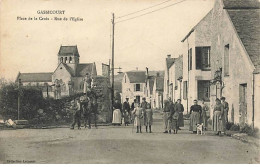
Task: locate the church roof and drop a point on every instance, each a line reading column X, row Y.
column 245, row 15
column 68, row 50
column 83, row 69
column 35, row 77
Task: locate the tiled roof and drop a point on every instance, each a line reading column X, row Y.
column 159, row 83
column 154, row 73
column 83, row 69
column 136, row 76
column 241, row 4
column 169, row 62
column 35, row 77
column 68, row 50
column 247, row 25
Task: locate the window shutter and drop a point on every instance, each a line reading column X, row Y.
column 198, row 57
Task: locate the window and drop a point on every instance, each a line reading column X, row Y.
column 61, row 59
column 204, row 90
column 203, row 58
column 66, row 59
column 190, row 59
column 125, row 79
column 70, row 60
column 226, row 60
column 137, row 87
column 185, row 90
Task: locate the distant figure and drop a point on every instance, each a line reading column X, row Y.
column 75, row 107
column 226, row 108
column 179, row 108
column 175, row 121
column 126, row 112
column 84, row 109
column 218, row 115
column 144, row 107
column 138, row 115
column 168, row 111
column 204, row 116
column 89, row 110
column 195, row 111
column 133, row 106
column 149, row 117
column 95, row 111
column 117, row 113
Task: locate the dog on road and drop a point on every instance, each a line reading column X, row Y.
column 200, row 128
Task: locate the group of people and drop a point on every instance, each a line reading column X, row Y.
column 84, row 106
column 173, row 116
column 138, row 114
column 200, row 114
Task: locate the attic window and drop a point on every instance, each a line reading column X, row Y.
column 60, row 67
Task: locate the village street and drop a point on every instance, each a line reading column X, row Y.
column 114, row 144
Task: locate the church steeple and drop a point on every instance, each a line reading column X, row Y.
column 68, row 55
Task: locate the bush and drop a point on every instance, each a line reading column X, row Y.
column 229, row 125
column 249, row 130
column 235, row 127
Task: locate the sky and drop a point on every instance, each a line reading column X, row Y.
column 33, row 45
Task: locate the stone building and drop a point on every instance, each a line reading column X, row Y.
column 68, row 78
column 157, row 95
column 196, row 63
column 235, row 62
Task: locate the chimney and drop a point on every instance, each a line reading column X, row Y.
column 157, row 74
column 147, row 71
column 136, row 68
column 169, row 56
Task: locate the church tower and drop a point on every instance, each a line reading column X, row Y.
column 69, row 55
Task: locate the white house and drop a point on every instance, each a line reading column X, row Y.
column 196, row 63
column 133, row 85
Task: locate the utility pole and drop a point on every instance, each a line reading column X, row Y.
column 112, row 64
column 19, row 84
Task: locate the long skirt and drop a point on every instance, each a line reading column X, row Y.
column 181, row 120
column 117, row 117
column 204, row 119
column 217, row 123
column 138, row 121
column 194, row 120
column 175, row 124
column 149, row 117
column 126, row 117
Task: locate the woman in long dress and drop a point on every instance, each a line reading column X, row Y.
column 138, row 118
column 218, row 114
column 179, row 107
column 117, row 115
column 195, row 111
column 204, row 116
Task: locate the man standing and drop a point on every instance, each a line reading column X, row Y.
column 126, row 111
column 168, row 111
column 144, row 107
column 179, row 108
column 226, row 108
column 75, row 107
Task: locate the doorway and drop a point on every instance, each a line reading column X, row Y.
column 242, row 104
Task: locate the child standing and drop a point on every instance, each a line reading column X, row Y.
column 149, row 118
column 175, row 119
